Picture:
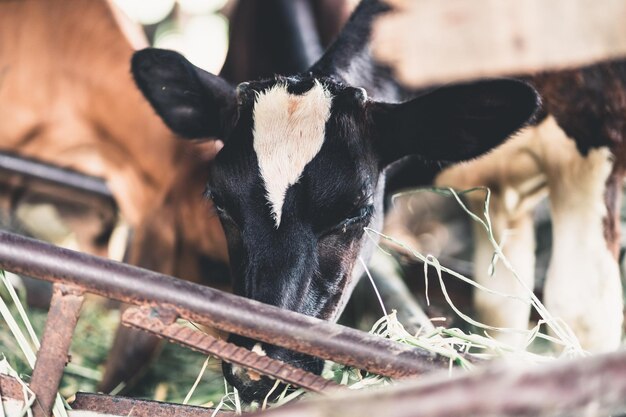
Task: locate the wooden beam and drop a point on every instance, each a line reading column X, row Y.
column 432, row 41
column 591, row 386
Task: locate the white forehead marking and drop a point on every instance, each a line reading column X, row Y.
column 288, row 133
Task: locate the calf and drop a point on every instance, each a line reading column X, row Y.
column 575, row 153
column 265, row 38
column 302, row 170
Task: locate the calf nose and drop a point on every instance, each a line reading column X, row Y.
column 254, row 387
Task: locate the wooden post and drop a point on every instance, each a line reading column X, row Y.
column 432, row 41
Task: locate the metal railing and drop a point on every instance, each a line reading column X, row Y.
column 163, row 299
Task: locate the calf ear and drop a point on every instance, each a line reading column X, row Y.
column 453, row 123
column 191, row 101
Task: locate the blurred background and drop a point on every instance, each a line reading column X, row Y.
column 196, row 28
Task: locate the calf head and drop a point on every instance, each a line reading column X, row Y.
column 301, row 173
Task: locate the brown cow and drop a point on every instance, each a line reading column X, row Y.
column 67, row 98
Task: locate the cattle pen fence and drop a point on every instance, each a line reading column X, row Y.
column 588, row 386
column 594, row 386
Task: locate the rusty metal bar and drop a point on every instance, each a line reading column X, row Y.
column 154, row 321
column 10, row 388
column 55, row 344
column 122, row 406
column 39, row 171
column 593, row 387
column 215, row 308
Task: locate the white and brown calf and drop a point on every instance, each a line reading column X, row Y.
column 575, row 154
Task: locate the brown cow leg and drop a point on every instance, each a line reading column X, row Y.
column 152, row 246
column 157, row 245
column 129, row 358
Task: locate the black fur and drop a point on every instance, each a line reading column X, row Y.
column 192, row 102
column 588, row 103
column 453, row 123
column 269, row 37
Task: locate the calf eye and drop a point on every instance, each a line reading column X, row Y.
column 225, row 217
column 219, row 206
column 221, row 210
column 358, row 217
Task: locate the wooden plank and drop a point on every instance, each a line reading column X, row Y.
column 593, row 386
column 433, row 41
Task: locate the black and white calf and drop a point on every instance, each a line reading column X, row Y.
column 302, row 170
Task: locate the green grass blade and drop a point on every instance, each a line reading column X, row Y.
column 20, row 309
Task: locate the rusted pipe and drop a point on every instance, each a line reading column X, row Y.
column 55, row 345
column 10, row 388
column 589, row 387
column 215, row 308
column 107, row 405
column 151, row 320
column 39, row 171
